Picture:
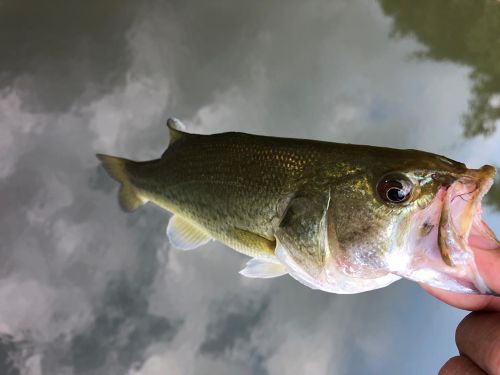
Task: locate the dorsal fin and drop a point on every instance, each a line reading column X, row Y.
column 177, row 130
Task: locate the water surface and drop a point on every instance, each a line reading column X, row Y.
column 87, row 289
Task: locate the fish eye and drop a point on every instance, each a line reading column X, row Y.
column 395, row 188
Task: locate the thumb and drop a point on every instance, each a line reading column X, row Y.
column 488, row 265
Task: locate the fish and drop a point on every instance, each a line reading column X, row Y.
column 341, row 218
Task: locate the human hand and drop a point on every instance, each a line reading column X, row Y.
column 478, row 335
column 478, row 342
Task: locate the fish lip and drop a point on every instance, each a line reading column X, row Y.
column 461, row 210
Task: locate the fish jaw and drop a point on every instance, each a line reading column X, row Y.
column 442, row 237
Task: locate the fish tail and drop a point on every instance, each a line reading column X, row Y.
column 117, row 168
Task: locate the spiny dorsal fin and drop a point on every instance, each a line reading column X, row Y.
column 177, row 130
column 185, row 235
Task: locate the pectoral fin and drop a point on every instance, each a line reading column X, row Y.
column 300, row 244
column 302, row 229
column 252, row 244
column 185, row 235
column 263, row 268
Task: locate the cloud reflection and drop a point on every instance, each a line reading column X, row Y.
column 465, row 33
column 86, row 289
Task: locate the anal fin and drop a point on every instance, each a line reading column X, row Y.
column 185, row 235
column 263, row 268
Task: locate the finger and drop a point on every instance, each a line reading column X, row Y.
column 488, row 265
column 478, row 337
column 460, row 365
column 470, row 302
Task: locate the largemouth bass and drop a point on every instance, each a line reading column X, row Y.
column 337, row 217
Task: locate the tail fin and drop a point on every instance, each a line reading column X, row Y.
column 116, row 168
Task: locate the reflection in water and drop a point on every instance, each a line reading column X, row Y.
column 234, row 328
column 119, row 335
column 465, row 32
column 493, row 197
column 11, row 353
column 89, row 37
column 86, row 289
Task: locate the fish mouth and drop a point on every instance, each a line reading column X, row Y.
column 443, row 237
column 461, row 228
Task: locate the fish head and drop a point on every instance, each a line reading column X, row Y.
column 416, row 215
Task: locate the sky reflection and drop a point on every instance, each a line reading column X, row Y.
column 87, row 289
